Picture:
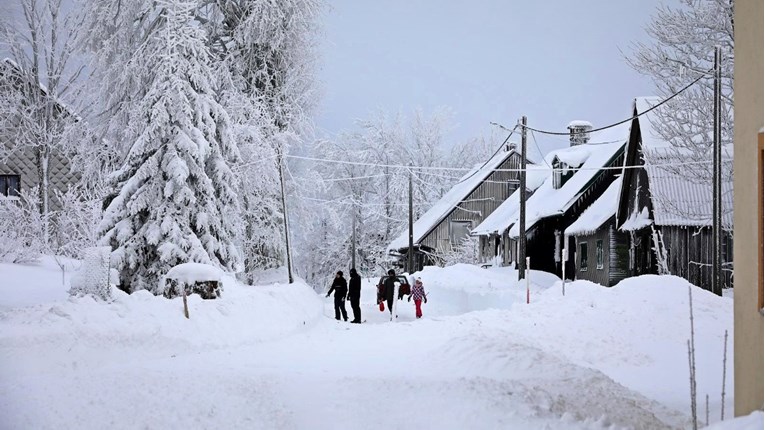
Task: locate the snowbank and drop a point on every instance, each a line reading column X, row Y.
column 34, row 283
column 465, row 288
column 243, row 315
column 753, row 421
column 636, row 333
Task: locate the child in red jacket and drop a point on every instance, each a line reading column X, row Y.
column 418, row 293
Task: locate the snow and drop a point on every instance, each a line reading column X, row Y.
column 449, row 201
column 598, row 213
column 579, row 123
column 547, row 201
column 753, row 421
column 637, row 221
column 273, row 357
column 189, row 273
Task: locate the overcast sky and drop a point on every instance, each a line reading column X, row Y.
column 487, row 60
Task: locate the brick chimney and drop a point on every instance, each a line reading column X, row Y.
column 579, row 132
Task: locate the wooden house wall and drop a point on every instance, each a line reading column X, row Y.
column 619, row 254
column 592, row 272
column 484, row 200
column 615, row 256
column 690, row 254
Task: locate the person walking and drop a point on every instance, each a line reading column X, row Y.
column 418, row 294
column 389, row 289
column 354, row 295
column 340, row 287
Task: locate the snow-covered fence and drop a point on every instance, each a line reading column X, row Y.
column 95, row 276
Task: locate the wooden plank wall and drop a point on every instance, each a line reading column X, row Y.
column 484, row 200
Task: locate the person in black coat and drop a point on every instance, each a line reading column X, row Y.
column 340, row 287
column 354, row 294
column 389, row 289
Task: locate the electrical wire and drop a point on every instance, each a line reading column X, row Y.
column 492, row 155
column 566, row 133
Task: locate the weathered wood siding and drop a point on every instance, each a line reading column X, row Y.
column 481, row 202
column 619, row 254
column 690, row 254
column 615, row 256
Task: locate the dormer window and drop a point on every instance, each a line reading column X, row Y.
column 561, row 173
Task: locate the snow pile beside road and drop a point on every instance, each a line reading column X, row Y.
column 465, row 288
column 244, row 314
column 636, row 333
column 33, row 283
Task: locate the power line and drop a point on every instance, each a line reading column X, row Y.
column 492, row 155
column 566, row 133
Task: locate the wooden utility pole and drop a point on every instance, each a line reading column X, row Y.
column 353, row 228
column 717, row 183
column 284, row 211
column 522, row 219
column 410, row 252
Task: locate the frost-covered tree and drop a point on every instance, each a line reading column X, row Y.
column 176, row 201
column 683, row 39
column 266, row 52
column 32, row 83
column 371, row 189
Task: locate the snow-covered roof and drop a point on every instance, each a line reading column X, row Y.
column 507, row 213
column 599, row 212
column 442, row 208
column 637, row 220
column 547, row 201
column 678, row 199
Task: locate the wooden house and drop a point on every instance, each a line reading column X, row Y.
column 666, row 212
column 462, row 208
column 495, row 246
column 577, row 176
column 600, row 250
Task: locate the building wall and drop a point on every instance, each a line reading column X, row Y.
column 690, row 254
column 592, row 272
column 24, row 163
column 484, row 200
column 748, row 111
column 615, row 256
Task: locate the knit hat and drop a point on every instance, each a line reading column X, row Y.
column 340, row 272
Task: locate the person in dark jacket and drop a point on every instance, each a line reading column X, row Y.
column 389, row 289
column 354, row 294
column 340, row 287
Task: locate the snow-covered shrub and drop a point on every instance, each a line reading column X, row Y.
column 21, row 228
column 94, row 277
column 76, row 223
column 467, row 252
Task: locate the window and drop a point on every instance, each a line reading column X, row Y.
column 583, row 256
column 599, row 253
column 10, row 185
column 512, row 185
column 458, row 230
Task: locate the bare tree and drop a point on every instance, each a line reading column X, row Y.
column 37, row 76
column 682, row 48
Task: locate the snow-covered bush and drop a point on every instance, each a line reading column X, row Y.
column 21, row 228
column 467, row 252
column 94, row 277
column 75, row 224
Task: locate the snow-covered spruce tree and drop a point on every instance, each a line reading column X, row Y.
column 265, row 52
column 176, row 201
column 683, row 40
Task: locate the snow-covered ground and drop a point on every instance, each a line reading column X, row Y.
column 274, row 357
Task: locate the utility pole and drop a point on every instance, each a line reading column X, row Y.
column 284, row 210
column 717, row 181
column 353, row 232
column 410, row 253
column 522, row 219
